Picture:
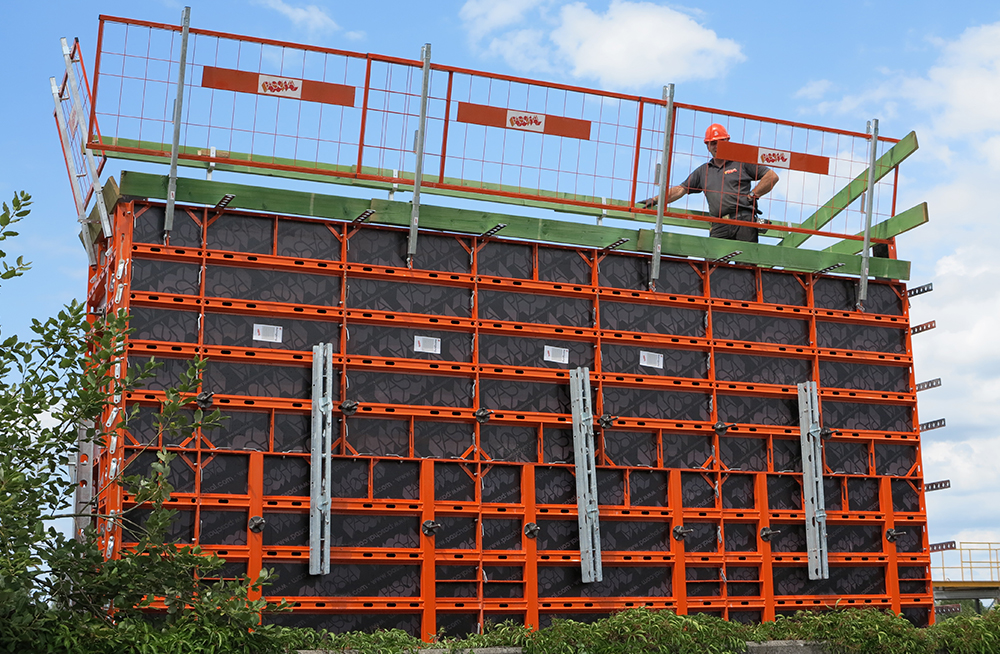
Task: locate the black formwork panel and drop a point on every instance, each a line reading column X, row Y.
column 501, row 349
column 309, row 240
column 408, row 343
column 271, row 332
column 149, row 222
column 271, row 285
column 393, row 296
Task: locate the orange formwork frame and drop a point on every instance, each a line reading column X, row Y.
column 698, row 580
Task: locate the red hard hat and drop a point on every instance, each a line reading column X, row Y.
column 715, row 132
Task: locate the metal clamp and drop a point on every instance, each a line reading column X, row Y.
column 204, row 400
column 766, row 533
column 256, row 524
column 482, row 415
column 680, row 532
column 721, row 428
column 429, row 527
column 349, row 407
column 531, row 530
column 892, row 535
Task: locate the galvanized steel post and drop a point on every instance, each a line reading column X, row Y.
column 866, row 252
column 411, row 244
column 813, row 494
column 654, row 268
column 168, row 221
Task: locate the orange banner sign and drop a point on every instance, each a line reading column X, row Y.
column 809, row 163
column 277, row 86
column 524, row 121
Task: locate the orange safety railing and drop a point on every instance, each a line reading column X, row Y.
column 297, row 110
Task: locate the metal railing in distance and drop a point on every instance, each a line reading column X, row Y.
column 319, row 113
column 969, row 561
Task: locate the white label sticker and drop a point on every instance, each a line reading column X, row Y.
column 284, row 87
column 556, row 354
column 651, row 359
column 776, row 158
column 427, row 344
column 267, row 333
column 525, row 120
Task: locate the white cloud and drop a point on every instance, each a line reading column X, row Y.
column 628, row 46
column 524, row 50
column 311, row 18
column 484, row 16
column 815, row 89
column 634, row 44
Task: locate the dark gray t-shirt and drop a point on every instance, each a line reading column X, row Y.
column 726, row 185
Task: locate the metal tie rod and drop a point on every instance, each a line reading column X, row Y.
column 927, row 385
column 933, row 424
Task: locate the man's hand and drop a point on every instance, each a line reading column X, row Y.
column 649, row 203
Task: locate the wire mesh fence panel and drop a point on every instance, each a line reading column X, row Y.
column 302, row 111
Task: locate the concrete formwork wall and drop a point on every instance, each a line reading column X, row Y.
column 716, row 342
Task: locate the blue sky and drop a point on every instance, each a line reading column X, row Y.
column 931, row 67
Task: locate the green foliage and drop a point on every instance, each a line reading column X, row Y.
column 59, row 594
column 969, row 633
column 10, row 215
column 641, row 630
column 850, row 631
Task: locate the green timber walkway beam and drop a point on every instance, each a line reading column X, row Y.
column 469, row 221
column 845, row 196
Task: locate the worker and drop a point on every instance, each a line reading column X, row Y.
column 727, row 188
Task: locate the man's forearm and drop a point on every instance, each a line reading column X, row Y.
column 674, row 193
column 765, row 184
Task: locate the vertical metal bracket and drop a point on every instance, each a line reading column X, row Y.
column 411, row 242
column 168, row 220
column 82, row 474
column 77, row 103
column 588, row 517
column 322, row 435
column 869, row 193
column 812, row 480
column 654, row 266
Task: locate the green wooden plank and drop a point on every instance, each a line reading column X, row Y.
column 771, row 256
column 901, row 222
column 845, row 196
column 476, row 222
column 160, row 153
